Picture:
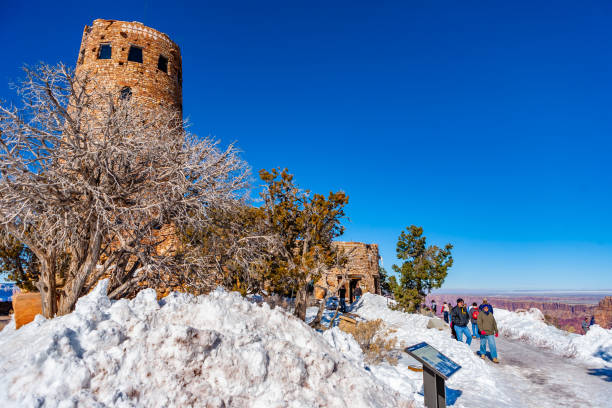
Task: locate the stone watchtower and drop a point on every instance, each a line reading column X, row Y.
column 135, row 60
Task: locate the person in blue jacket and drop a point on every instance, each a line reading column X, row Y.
column 485, row 302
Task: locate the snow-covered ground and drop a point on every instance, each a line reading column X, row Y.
column 528, row 376
column 594, row 348
column 221, row 350
column 217, row 350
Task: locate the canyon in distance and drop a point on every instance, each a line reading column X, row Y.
column 563, row 309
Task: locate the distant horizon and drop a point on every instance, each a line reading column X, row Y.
column 594, row 292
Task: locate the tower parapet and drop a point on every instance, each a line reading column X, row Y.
column 133, row 59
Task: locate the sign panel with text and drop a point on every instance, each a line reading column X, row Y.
column 437, row 361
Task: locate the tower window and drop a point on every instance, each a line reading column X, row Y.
column 105, row 51
column 125, row 93
column 135, row 54
column 162, row 64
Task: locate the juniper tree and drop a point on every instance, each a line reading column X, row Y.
column 424, row 268
column 305, row 226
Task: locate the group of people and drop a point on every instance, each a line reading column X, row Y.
column 586, row 324
column 482, row 322
column 357, row 293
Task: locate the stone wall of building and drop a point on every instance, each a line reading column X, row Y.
column 361, row 269
column 146, row 80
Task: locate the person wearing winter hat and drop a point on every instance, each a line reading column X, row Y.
column 488, row 331
column 460, row 319
column 485, row 302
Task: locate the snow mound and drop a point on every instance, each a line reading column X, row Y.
column 344, row 343
column 593, row 348
column 217, row 350
column 596, row 345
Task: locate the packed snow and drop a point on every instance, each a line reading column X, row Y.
column 528, row 376
column 594, row 348
column 217, row 350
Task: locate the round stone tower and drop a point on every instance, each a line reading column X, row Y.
column 135, row 60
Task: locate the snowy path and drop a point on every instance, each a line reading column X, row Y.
column 541, row 378
column 527, row 377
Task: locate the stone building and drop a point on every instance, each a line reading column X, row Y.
column 139, row 62
column 361, row 269
column 134, row 59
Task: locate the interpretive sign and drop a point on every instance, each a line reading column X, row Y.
column 436, row 360
column 436, row 368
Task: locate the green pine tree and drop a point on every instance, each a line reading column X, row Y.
column 424, row 268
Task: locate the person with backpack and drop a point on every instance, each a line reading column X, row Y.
column 473, row 317
column 445, row 310
column 434, row 307
column 460, row 318
column 488, row 331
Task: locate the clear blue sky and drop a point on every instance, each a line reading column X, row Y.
column 487, row 123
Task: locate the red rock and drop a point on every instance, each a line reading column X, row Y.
column 603, row 313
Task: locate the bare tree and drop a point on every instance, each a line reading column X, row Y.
column 105, row 181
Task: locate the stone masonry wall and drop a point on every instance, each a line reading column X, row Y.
column 362, row 267
column 148, row 83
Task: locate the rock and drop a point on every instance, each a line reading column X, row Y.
column 603, row 313
column 436, row 323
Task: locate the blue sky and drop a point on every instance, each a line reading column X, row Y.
column 487, row 124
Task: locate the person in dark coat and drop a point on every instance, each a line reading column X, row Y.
column 342, row 296
column 460, row 318
column 358, row 293
column 592, row 321
column 434, row 307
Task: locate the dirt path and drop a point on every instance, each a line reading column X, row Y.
column 544, row 379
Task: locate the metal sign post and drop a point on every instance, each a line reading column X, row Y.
column 436, row 369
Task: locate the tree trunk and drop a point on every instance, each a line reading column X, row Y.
column 74, row 285
column 47, row 287
column 301, row 299
column 317, row 320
